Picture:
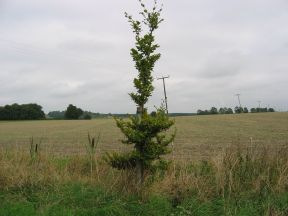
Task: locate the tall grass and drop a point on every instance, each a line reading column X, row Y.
column 232, row 173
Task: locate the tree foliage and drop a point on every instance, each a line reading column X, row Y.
column 261, row 109
column 56, row 114
column 86, row 116
column 213, row 111
column 245, row 110
column 146, row 132
column 237, row 109
column 144, row 54
column 73, row 112
column 16, row 111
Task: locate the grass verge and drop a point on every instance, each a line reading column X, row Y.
column 252, row 181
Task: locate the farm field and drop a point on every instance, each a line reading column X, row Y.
column 198, row 137
column 242, row 181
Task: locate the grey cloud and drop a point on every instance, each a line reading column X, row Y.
column 90, row 46
column 222, row 65
column 60, row 52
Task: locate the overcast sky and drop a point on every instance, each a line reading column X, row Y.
column 60, row 52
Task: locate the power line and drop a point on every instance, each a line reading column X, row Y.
column 34, row 51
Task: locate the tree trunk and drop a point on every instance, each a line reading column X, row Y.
column 139, row 172
column 139, row 163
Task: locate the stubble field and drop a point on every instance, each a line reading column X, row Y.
column 198, row 137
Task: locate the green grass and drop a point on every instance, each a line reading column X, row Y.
column 78, row 199
column 197, row 136
column 81, row 199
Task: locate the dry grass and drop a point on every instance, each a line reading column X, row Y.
column 19, row 170
column 230, row 174
column 234, row 173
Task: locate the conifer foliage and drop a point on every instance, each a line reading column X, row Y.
column 146, row 132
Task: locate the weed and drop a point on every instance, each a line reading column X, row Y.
column 34, row 148
column 91, row 151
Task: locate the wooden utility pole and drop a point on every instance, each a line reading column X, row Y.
column 238, row 95
column 163, row 80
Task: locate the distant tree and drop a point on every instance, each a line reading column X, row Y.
column 229, row 111
column 57, row 114
column 34, row 111
column 225, row 110
column 16, row 112
column 238, row 109
column 73, row 112
column 2, row 113
column 222, row 110
column 213, row 110
column 21, row 112
column 259, row 110
column 86, row 116
column 203, row 112
column 199, row 112
column 245, row 110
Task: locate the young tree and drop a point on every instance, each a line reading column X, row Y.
column 146, row 132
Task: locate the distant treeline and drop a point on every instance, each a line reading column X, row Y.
column 34, row 111
column 16, row 111
column 214, row 110
column 225, row 110
column 72, row 112
column 257, row 110
column 181, row 114
column 83, row 115
column 61, row 115
column 56, row 114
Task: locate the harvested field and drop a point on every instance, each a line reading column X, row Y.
column 197, row 137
